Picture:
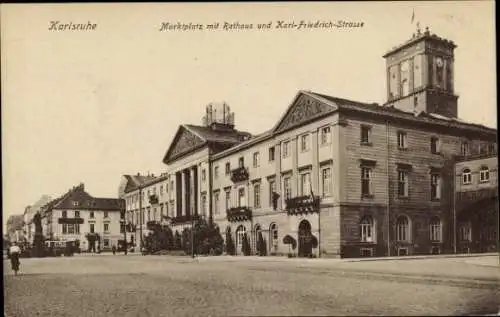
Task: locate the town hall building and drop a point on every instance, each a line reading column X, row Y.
column 333, row 177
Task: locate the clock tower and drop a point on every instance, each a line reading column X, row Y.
column 420, row 75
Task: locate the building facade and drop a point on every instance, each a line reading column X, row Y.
column 77, row 215
column 476, row 203
column 334, row 177
column 29, row 213
column 15, row 230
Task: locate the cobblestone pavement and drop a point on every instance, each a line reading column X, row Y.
column 224, row 286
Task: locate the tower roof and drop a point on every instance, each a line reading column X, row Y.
column 418, row 37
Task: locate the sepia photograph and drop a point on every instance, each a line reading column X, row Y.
column 250, row 159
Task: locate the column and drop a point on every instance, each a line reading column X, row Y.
column 191, row 191
column 183, row 193
column 315, row 163
column 199, row 186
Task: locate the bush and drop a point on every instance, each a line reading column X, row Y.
column 230, row 247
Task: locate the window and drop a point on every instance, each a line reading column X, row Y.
column 77, row 214
column 287, row 187
column 271, row 153
column 256, row 159
column 91, row 214
column 435, row 186
column 326, row 180
column 491, row 148
column 76, row 203
column 154, row 213
column 106, row 227
column 228, row 199
column 241, row 197
column 161, row 190
column 204, row 205
column 325, row 135
column 105, row 243
column 403, row 183
column 484, row 174
column 273, row 237
column 403, row 229
column 256, row 195
column 106, row 214
column 464, row 232
column 402, row 140
column 154, row 190
column 305, row 183
column 434, row 145
column 405, row 86
column 161, row 212
column 64, row 214
column 466, row 176
column 464, row 148
column 286, row 149
column 216, row 172
column 366, row 176
column 240, row 235
column 272, row 190
column 366, row 133
column 149, row 213
column 435, row 229
column 216, row 203
column 71, row 228
column 367, row 229
column 241, row 162
column 304, row 142
column 228, row 168
column 92, row 228
column 203, row 175
column 171, row 185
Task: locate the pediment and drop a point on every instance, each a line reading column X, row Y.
column 184, row 142
column 304, row 109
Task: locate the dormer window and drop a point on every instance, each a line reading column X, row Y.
column 75, row 203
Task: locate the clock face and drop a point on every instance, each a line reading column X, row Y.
column 439, row 62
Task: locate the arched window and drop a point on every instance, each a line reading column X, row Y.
column 256, row 232
column 240, row 235
column 367, row 229
column 273, row 237
column 484, row 174
column 405, row 86
column 466, row 176
column 403, row 229
column 435, row 229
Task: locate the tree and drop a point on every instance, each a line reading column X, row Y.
column 245, row 246
column 207, row 238
column 230, row 247
column 261, row 244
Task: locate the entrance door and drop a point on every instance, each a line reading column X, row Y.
column 305, row 239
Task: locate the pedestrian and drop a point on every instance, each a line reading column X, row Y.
column 113, row 248
column 14, row 253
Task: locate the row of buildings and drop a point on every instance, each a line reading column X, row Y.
column 332, row 178
column 76, row 216
column 336, row 177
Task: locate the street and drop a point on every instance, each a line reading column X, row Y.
column 107, row 285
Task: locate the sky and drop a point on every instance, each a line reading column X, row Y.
column 90, row 106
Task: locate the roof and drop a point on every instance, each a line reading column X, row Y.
column 375, row 108
column 85, row 201
column 190, row 138
column 337, row 104
column 135, row 181
column 218, row 136
column 420, row 37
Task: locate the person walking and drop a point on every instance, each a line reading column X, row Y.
column 113, row 248
column 14, row 253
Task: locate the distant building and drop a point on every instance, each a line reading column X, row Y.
column 336, row 177
column 476, row 203
column 29, row 213
column 15, row 230
column 76, row 214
